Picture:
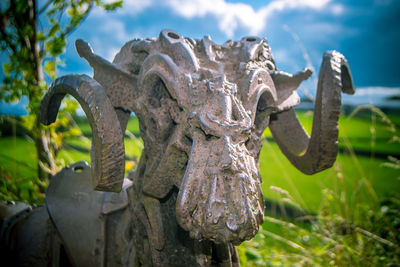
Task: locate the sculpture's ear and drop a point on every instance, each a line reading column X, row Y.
column 160, row 66
column 259, row 96
column 286, row 85
column 174, row 65
column 280, row 97
column 258, row 86
column 120, row 85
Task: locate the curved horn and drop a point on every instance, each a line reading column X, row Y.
column 165, row 68
column 318, row 152
column 108, row 163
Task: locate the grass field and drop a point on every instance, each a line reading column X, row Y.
column 365, row 144
column 361, row 178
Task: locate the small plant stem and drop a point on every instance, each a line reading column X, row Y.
column 373, row 145
column 375, row 237
column 284, row 240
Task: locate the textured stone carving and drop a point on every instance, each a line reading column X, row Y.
column 202, row 109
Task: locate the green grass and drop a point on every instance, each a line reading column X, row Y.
column 349, row 193
column 355, row 204
column 18, row 158
column 308, row 190
column 18, row 169
column 133, row 125
column 366, row 133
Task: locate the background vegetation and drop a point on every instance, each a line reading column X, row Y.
column 345, row 216
column 348, row 215
column 33, row 35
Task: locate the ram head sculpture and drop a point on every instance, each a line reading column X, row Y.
column 202, row 109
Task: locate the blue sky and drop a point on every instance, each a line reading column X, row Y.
column 367, row 32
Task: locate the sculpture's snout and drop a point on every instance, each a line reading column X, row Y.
column 220, row 197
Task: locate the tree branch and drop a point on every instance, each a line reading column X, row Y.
column 44, row 7
column 71, row 28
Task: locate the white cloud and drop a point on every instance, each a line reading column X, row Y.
column 377, row 90
column 232, row 15
column 110, row 37
column 282, row 56
column 111, row 52
column 337, row 9
column 136, row 6
column 229, row 16
column 375, row 95
column 116, row 29
column 325, row 31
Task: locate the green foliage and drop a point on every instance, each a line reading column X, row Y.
column 21, row 189
column 329, row 239
column 19, row 181
column 353, row 207
column 18, row 170
column 34, row 53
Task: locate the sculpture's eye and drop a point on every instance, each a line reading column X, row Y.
column 208, row 136
column 247, row 143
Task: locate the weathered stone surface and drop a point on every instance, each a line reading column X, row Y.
column 202, row 109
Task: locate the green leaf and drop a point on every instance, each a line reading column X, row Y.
column 54, row 29
column 56, row 46
column 50, row 68
column 40, row 36
column 112, row 6
column 7, row 68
